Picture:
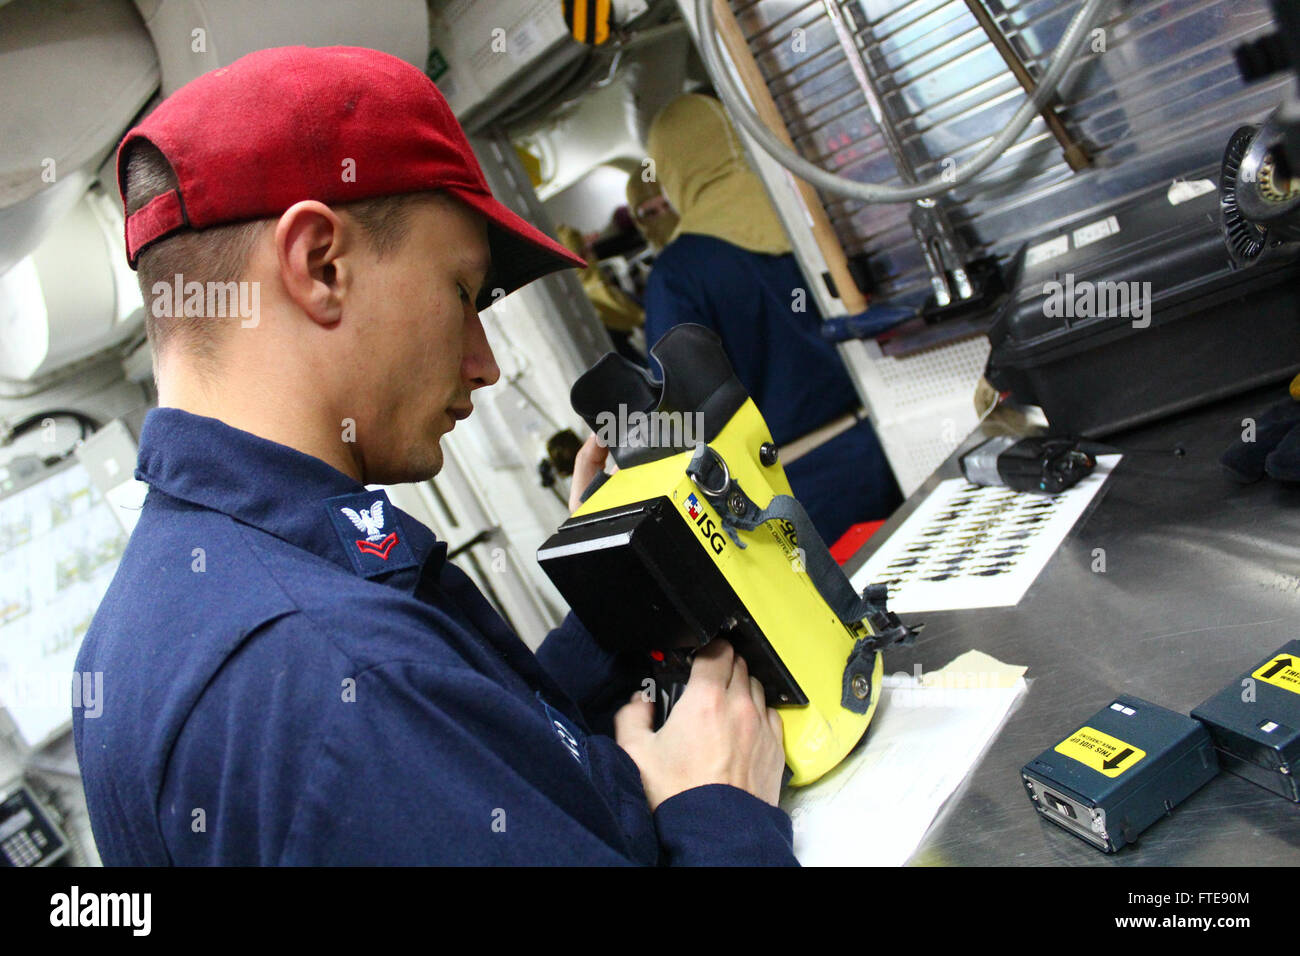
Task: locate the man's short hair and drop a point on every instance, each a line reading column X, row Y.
column 220, row 254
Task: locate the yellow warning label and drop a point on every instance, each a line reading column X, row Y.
column 1101, row 752
column 1283, row 670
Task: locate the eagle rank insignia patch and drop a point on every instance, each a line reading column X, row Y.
column 370, row 531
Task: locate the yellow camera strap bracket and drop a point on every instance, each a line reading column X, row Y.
column 738, row 511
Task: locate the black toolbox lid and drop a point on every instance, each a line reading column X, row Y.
column 1160, row 237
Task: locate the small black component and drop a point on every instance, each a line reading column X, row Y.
column 1126, row 767
column 1260, row 58
column 562, row 451
column 1043, row 465
column 1255, row 723
column 859, row 272
column 986, row 278
column 546, row 473
column 670, row 670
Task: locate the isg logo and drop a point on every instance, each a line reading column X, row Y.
column 695, row 510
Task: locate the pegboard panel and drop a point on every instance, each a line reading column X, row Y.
column 914, row 385
column 917, row 445
column 922, row 405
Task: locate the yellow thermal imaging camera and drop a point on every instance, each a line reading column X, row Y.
column 697, row 535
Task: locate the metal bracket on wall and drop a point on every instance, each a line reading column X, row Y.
column 944, row 252
column 1076, row 154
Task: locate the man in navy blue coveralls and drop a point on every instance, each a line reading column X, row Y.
column 729, row 267
column 293, row 671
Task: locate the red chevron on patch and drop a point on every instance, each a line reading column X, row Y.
column 381, row 549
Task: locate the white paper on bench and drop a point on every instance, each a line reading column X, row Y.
column 986, row 544
column 875, row 807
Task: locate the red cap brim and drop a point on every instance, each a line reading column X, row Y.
column 520, row 251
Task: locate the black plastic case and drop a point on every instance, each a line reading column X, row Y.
column 1214, row 329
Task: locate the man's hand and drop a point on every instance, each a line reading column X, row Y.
column 589, row 462
column 720, row 731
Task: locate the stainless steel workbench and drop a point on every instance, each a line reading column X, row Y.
column 1202, row 580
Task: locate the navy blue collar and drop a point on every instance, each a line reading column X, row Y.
column 285, row 493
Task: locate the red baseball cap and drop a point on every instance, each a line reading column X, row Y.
column 334, row 124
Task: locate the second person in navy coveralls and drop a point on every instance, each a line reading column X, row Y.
column 729, row 267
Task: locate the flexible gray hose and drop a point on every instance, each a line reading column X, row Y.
column 1066, row 50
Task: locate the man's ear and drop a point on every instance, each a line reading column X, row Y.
column 310, row 242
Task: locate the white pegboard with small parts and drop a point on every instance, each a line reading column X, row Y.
column 922, row 405
column 915, row 384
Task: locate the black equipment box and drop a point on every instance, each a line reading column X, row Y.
column 1136, row 312
column 1255, row 723
column 1125, row 768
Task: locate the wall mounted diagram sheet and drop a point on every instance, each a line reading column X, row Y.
column 59, row 549
column 968, row 546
